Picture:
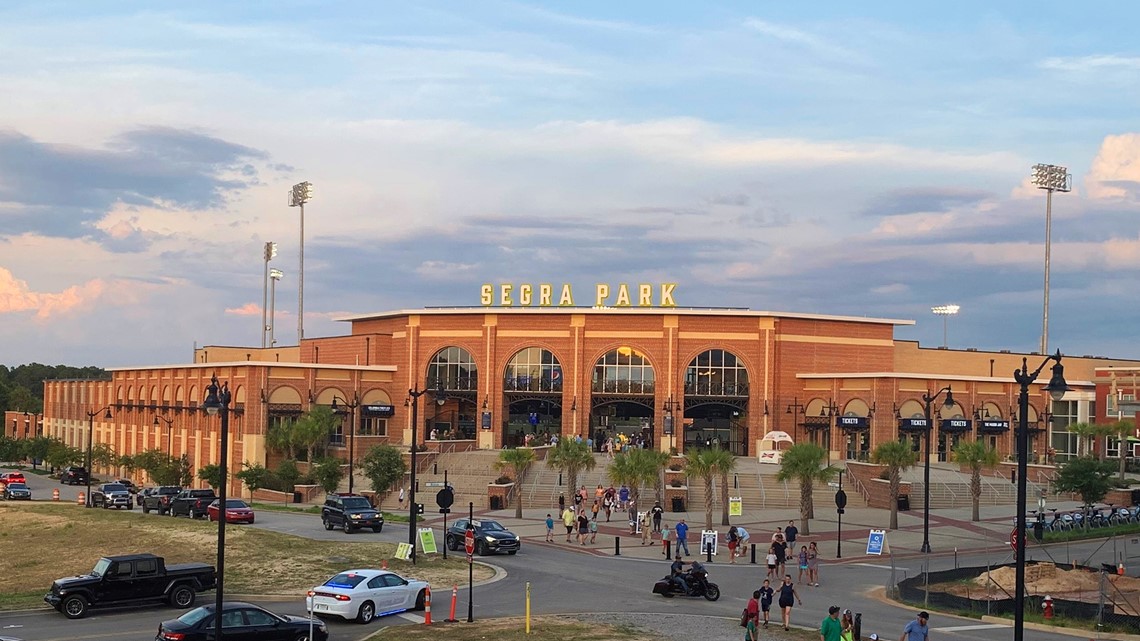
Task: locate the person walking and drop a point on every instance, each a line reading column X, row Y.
column 830, row 629
column 770, row 559
column 594, row 529
column 401, row 497
column 658, row 512
column 847, row 622
column 781, row 549
column 802, row 557
column 561, row 504
column 594, row 509
column 623, row 497
column 766, row 593
column 549, row 529
column 813, row 564
column 583, row 527
column 917, row 629
column 632, row 514
column 790, row 534
column 608, row 505
column 577, row 500
column 665, row 540
column 682, row 533
column 788, row 597
column 752, row 618
column 568, row 521
column 646, row 528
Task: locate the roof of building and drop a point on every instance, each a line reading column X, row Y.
column 640, row 311
column 219, row 364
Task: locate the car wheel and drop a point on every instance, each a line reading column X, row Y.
column 192, row 514
column 347, row 528
column 481, row 548
column 182, row 597
column 366, row 613
column 171, row 513
column 328, row 526
column 420, row 599
column 146, row 510
column 378, row 529
column 74, row 607
column 513, row 552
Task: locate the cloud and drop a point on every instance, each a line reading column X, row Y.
column 1115, row 172
column 249, row 309
column 914, row 200
column 1091, row 63
column 800, row 38
column 16, row 296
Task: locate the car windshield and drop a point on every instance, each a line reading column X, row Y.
column 345, row 580
column 357, row 502
column 101, row 567
column 491, row 526
column 114, row 487
column 197, row 614
column 17, row 486
column 234, row 503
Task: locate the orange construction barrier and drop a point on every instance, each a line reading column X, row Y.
column 383, row 564
column 427, row 606
column 1120, row 569
column 55, row 495
column 80, row 499
column 454, row 597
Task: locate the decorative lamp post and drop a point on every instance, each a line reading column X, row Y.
column 218, row 402
column 440, row 398
column 1051, row 178
column 301, row 194
column 169, row 436
column 1056, row 388
column 927, row 402
column 351, row 431
column 90, row 439
column 945, row 311
column 795, row 409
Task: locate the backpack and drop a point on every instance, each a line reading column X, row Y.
column 744, row 618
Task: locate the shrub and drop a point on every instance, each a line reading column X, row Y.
column 503, row 480
column 676, row 483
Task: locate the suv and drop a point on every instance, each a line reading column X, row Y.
column 490, row 537
column 192, row 503
column 158, row 498
column 73, row 475
column 350, row 512
column 112, row 495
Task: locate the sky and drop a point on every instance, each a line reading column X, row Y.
column 864, row 159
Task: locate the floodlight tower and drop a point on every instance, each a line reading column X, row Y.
column 1051, row 178
column 301, row 194
column 945, row 311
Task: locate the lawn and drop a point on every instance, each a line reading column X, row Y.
column 58, row 540
column 579, row 628
column 1091, row 533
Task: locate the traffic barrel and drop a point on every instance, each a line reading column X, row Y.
column 427, row 606
column 55, row 495
column 80, row 499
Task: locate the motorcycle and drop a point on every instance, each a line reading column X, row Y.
column 699, row 585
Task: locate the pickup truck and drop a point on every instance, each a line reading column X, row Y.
column 192, row 503
column 158, row 498
column 112, row 495
column 127, row 580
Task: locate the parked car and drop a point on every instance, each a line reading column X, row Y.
column 242, row 621
column 129, row 484
column 490, row 537
column 112, row 495
column 73, row 475
column 350, row 512
column 12, row 477
column 129, row 580
column 192, row 503
column 237, row 511
column 360, row 594
column 16, row 491
column 159, row 498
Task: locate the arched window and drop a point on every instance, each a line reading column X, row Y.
column 533, row 369
column 623, row 371
column 454, row 367
column 716, row 372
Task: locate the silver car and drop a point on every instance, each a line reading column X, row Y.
column 112, row 495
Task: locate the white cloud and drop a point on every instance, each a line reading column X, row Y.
column 1092, row 63
column 1115, row 172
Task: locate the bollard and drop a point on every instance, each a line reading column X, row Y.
column 857, row 626
column 617, row 546
column 454, row 597
column 669, row 552
column 427, row 605
column 80, row 499
column 435, row 468
column 753, row 554
column 955, row 558
column 55, row 495
column 528, row 607
column 708, row 553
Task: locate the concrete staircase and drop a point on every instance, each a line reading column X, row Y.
column 950, row 488
column 467, row 472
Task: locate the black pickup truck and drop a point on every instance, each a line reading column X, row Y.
column 192, row 503
column 129, row 580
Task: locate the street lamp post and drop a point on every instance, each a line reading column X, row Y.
column 169, row 436
column 927, row 401
column 351, row 431
column 795, row 409
column 1056, row 388
column 218, row 402
column 415, row 395
column 270, row 253
column 301, row 194
column 90, row 439
column 945, row 311
column 274, row 276
column 1051, row 178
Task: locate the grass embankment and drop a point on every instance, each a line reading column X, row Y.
column 514, row 629
column 1091, row 533
column 44, row 542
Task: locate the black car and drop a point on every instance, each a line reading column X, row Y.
column 490, row 536
column 73, row 475
column 192, row 503
column 16, row 491
column 158, row 498
column 241, row 621
column 350, row 512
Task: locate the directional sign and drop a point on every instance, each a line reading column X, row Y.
column 427, row 540
column 434, row 484
column 735, row 506
column 469, row 542
column 404, row 551
column 876, row 542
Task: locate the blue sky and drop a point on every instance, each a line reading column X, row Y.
column 832, row 158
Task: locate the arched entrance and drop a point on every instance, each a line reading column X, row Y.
column 913, row 409
column 716, row 402
column 855, row 422
column 453, row 370
column 532, row 396
column 952, row 426
column 622, row 398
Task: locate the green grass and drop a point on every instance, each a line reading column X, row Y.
column 1092, row 533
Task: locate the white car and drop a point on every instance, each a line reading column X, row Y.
column 366, row 594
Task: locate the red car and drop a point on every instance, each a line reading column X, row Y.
column 237, row 511
column 12, row 477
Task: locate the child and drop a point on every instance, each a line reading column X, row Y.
column 593, row 529
column 665, row 538
column 803, row 558
column 766, row 593
column 771, row 558
column 549, row 528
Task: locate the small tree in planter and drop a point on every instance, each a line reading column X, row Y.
column 897, row 456
column 518, row 460
column 255, row 476
column 328, row 474
column 977, row 456
column 212, row 475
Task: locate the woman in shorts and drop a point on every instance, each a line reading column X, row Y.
column 813, row 565
column 733, row 540
column 788, row 597
column 771, row 558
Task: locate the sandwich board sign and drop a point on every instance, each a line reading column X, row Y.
column 427, row 541
column 404, row 551
column 877, row 543
column 708, row 539
column 735, row 506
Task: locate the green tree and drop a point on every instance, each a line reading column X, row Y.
column 1085, row 432
column 571, row 458
column 60, row 455
column 898, row 457
column 977, row 456
column 518, row 460
column 10, row 449
column 328, row 473
column 1087, row 476
column 281, row 438
column 1120, row 431
column 103, row 455
column 37, row 447
column 212, row 475
column 633, row 469
column 288, row 473
column 384, row 467
column 255, row 476
column 724, row 463
column 701, row 464
column 311, row 433
column 806, row 463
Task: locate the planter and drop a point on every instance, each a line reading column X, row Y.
column 879, row 493
column 676, row 497
column 497, row 495
column 1120, row 496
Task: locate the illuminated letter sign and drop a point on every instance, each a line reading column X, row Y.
column 605, row 295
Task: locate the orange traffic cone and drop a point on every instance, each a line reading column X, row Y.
column 1120, row 569
column 427, row 606
column 384, row 564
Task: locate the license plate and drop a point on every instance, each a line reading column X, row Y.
column 321, row 606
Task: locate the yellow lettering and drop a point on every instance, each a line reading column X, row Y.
column 623, row 295
column 644, row 295
column 567, row 298
column 544, row 292
column 505, row 294
column 602, row 292
column 486, row 295
column 524, row 294
column 667, row 294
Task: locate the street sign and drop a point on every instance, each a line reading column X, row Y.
column 470, row 558
column 877, row 542
column 445, row 497
column 434, row 484
column 469, row 542
column 445, row 510
column 841, row 499
column 1013, row 539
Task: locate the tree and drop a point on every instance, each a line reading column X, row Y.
column 37, row 447
column 103, row 455
column 571, row 458
column 1085, row 432
column 255, row 476
column 1087, row 476
column 281, row 438
column 288, row 473
column 806, row 463
column 518, row 460
column 212, row 475
column 312, row 431
column 723, row 463
column 328, row 474
column 10, row 449
column 1119, row 430
column 383, row 466
column 631, row 469
column 977, row 456
column 898, row 457
column 60, row 455
column 701, row 464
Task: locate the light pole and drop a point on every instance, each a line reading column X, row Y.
column 301, row 194
column 1056, row 388
column 169, row 437
column 274, row 276
column 270, row 253
column 927, row 401
column 1051, row 178
column 90, row 438
column 795, row 409
column 218, row 402
column 415, row 395
column 351, row 431
column 945, row 311
column 670, row 423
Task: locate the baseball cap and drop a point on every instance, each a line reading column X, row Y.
column 833, row 609
column 873, row 637
column 923, row 615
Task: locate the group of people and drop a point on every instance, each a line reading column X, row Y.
column 837, row 628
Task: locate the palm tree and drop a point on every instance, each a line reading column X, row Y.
column 311, row 432
column 1085, row 433
column 658, row 460
column 623, row 471
column 571, row 457
column 977, row 456
column 1119, row 430
column 518, row 460
column 700, row 464
column 805, row 462
column 637, row 468
column 723, row 463
column 897, row 456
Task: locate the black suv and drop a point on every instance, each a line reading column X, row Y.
column 490, row 536
column 73, row 475
column 350, row 512
column 158, row 498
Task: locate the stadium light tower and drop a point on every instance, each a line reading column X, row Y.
column 945, row 311
column 274, row 276
column 1051, row 178
column 301, row 194
column 270, row 254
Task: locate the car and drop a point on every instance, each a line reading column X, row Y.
column 73, row 475
column 237, row 511
column 490, row 536
column 158, row 498
column 241, row 621
column 112, row 495
column 362, row 595
column 350, row 512
column 129, row 484
column 16, row 491
column 129, row 580
column 192, row 503
column 12, row 477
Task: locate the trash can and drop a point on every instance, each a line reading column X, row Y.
column 496, row 502
column 678, row 504
column 298, row 497
column 1135, row 497
column 904, row 503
